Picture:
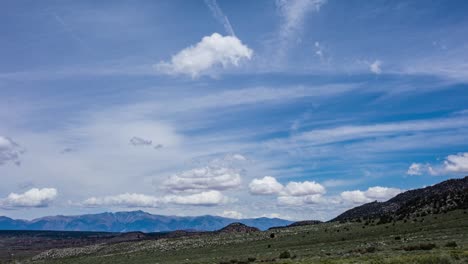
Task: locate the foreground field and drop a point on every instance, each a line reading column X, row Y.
column 441, row 238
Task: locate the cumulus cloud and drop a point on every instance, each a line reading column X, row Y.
column 303, row 188
column 269, row 185
column 358, row 197
column 10, row 151
column 457, row 163
column 208, row 198
column 415, row 169
column 124, row 200
column 301, row 200
column 420, row 169
column 211, row 51
column 382, row 193
column 376, row 67
column 265, row 186
column 33, row 198
column 293, row 194
column 206, row 178
column 373, row 193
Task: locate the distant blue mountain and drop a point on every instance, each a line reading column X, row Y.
column 134, row 221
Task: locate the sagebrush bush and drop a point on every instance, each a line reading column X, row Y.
column 451, row 244
column 428, row 246
column 285, row 255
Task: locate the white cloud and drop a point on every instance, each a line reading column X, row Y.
column 266, row 185
column 321, row 53
column 33, row 198
column 237, row 157
column 124, row 200
column 206, row 178
column 208, row 198
column 382, row 193
column 294, row 12
column 456, row 163
column 293, row 194
column 343, row 133
column 10, row 151
column 219, row 15
column 232, row 214
column 415, row 169
column 301, row 200
column 373, row 193
column 290, row 200
column 376, row 67
column 303, row 188
column 358, row 197
column 420, row 169
column 211, row 51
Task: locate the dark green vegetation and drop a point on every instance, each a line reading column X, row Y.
column 435, row 238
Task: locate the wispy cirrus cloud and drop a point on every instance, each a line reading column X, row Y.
column 293, row 14
column 10, row 151
column 354, row 132
column 219, row 15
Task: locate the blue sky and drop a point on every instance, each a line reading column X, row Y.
column 299, row 109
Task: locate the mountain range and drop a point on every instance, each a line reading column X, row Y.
column 439, row 198
column 133, row 221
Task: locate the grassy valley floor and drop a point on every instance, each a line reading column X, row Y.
column 441, row 238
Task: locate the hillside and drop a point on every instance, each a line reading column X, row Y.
column 438, row 239
column 133, row 221
column 238, row 228
column 442, row 197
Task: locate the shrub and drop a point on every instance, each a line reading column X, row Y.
column 428, row 246
column 371, row 249
column 285, row 255
column 272, row 235
column 251, row 259
column 451, row 244
column 398, row 238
